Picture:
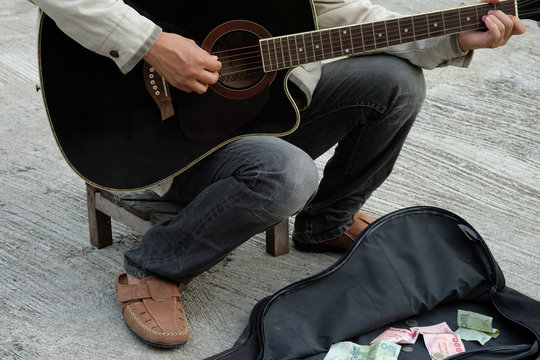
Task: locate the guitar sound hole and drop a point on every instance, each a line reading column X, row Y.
column 236, row 43
column 239, row 54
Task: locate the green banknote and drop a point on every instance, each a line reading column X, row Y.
column 476, row 327
column 473, row 335
column 475, row 321
column 347, row 350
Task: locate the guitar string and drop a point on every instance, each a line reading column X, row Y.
column 448, row 18
column 298, row 60
column 285, row 60
column 371, row 44
column 332, row 41
column 325, row 42
column 258, row 56
column 390, row 35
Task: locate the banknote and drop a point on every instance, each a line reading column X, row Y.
column 397, row 336
column 473, row 335
column 441, row 346
column 347, row 350
column 475, row 321
column 441, row 328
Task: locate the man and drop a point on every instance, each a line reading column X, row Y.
column 366, row 105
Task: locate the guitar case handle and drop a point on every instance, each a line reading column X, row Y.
column 158, row 88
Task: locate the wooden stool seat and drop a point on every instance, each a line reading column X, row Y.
column 141, row 209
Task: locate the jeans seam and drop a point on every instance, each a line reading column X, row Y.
column 354, row 153
column 378, row 108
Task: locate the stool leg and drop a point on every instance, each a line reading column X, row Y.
column 98, row 222
column 277, row 239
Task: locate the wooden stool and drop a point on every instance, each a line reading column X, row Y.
column 141, row 209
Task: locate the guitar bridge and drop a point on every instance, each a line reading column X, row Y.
column 158, row 88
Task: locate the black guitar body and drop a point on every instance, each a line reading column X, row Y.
column 110, row 129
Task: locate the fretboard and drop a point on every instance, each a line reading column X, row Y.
column 284, row 52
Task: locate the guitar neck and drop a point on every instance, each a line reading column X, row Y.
column 293, row 50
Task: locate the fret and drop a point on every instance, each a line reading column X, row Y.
column 342, row 48
column 282, row 64
column 450, row 22
column 330, row 42
column 308, row 48
column 421, row 28
column 380, row 34
column 271, row 52
column 346, row 34
column 289, row 51
column 267, row 63
column 295, row 55
column 369, row 37
column 317, row 45
column 283, row 44
column 274, row 52
column 359, row 29
column 303, row 50
column 300, row 55
column 435, row 23
column 326, row 44
column 386, row 32
column 393, row 32
column 479, row 21
column 467, row 17
column 399, row 30
column 335, row 38
column 341, row 42
column 406, row 29
column 321, row 46
column 351, row 40
column 312, row 48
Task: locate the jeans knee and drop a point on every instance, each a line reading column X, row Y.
column 300, row 181
column 288, row 179
column 403, row 88
column 407, row 83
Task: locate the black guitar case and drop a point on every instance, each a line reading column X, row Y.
column 420, row 264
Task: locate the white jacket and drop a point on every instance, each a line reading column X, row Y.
column 113, row 29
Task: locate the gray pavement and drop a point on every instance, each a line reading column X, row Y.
column 474, row 150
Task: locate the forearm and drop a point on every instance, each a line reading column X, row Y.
column 427, row 54
column 108, row 27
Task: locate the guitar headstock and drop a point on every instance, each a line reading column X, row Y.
column 529, row 9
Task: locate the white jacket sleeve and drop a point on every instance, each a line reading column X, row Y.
column 427, row 54
column 108, row 27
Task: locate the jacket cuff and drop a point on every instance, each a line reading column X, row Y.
column 465, row 57
column 129, row 41
column 456, row 56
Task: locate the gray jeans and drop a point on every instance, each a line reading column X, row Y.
column 366, row 105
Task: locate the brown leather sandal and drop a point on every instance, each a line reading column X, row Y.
column 152, row 309
column 361, row 220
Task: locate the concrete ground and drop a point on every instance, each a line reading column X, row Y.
column 474, row 150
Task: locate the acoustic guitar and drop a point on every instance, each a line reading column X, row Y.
column 128, row 132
